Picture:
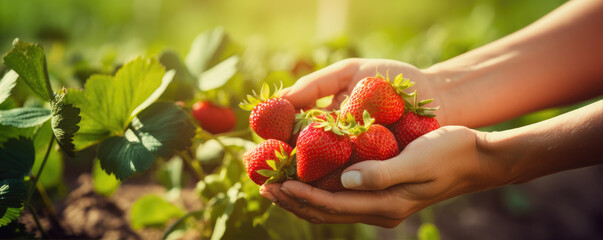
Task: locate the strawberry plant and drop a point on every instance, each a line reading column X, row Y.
column 125, row 121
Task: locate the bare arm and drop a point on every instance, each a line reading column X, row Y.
column 556, row 60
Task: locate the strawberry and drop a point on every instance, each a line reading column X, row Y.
column 331, row 182
column 415, row 122
column 377, row 143
column 305, row 117
column 370, row 141
column 321, row 148
column 383, row 99
column 271, row 117
column 270, row 161
column 212, row 118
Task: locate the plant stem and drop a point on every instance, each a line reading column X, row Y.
column 36, row 219
column 37, row 176
column 46, row 199
column 193, row 164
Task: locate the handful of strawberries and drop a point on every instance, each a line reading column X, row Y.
column 376, row 122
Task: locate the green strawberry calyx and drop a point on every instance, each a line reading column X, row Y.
column 255, row 99
column 283, row 167
column 352, row 127
column 399, row 83
column 331, row 123
column 304, row 118
column 416, row 106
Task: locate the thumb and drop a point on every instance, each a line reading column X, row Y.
column 379, row 175
column 324, row 82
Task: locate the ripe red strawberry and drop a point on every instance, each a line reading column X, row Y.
column 321, row 149
column 415, row 122
column 270, row 161
column 212, row 118
column 305, row 117
column 332, row 181
column 383, row 99
column 377, row 143
column 271, row 117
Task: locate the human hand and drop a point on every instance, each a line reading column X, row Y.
column 439, row 165
column 340, row 78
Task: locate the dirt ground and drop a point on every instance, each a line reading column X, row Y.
column 566, row 205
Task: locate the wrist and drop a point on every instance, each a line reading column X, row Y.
column 498, row 159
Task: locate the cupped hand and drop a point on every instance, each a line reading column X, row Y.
column 340, row 78
column 439, row 165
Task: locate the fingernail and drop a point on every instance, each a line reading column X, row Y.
column 351, row 179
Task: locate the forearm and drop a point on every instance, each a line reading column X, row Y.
column 568, row 141
column 557, row 60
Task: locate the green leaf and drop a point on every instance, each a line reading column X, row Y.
column 272, row 164
column 152, row 210
column 183, row 85
column 211, row 186
column 65, row 120
column 109, row 103
column 17, row 157
column 428, row 231
column 29, row 61
column 104, row 184
column 266, row 172
column 218, row 75
column 24, row 117
column 235, row 206
column 424, row 102
column 158, row 131
column 165, row 81
column 12, row 194
column 205, row 50
column 265, row 91
column 8, row 82
column 8, row 132
column 284, row 225
column 9, row 214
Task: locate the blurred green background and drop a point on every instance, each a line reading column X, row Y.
column 418, row 32
column 283, row 33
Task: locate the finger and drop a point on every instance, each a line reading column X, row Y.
column 324, row 82
column 379, row 175
column 316, row 214
column 337, row 100
column 349, row 202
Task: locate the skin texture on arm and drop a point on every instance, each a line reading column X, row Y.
column 556, row 60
